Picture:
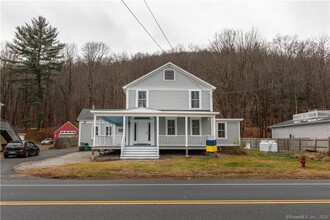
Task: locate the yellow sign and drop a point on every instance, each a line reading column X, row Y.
column 211, row 149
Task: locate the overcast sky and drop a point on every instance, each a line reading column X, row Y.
column 184, row 22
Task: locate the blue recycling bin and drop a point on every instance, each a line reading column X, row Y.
column 211, row 142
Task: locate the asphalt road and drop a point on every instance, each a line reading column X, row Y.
column 165, row 199
column 24, row 197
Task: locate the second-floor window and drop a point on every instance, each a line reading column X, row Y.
column 195, row 99
column 142, row 99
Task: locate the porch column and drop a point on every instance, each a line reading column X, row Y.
column 94, row 131
column 94, row 136
column 213, row 133
column 186, row 133
column 113, row 134
column 157, row 134
column 124, row 134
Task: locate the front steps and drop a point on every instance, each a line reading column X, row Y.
column 140, row 153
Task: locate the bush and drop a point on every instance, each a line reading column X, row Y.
column 232, row 150
column 65, row 142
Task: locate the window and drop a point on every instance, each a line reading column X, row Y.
column 96, row 131
column 108, row 131
column 222, row 130
column 142, row 99
column 195, row 99
column 171, row 126
column 169, row 75
column 67, row 132
column 195, row 127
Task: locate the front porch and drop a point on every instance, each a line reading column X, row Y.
column 140, row 133
column 165, row 142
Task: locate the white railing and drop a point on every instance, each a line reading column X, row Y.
column 172, row 140
column 180, row 140
column 114, row 140
column 311, row 115
column 118, row 139
column 198, row 140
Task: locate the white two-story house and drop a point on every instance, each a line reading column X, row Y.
column 168, row 108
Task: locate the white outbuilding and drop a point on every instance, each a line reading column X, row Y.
column 314, row 124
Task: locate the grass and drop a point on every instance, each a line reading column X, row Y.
column 252, row 165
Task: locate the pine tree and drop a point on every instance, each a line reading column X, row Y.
column 38, row 59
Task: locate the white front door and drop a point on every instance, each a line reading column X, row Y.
column 143, row 131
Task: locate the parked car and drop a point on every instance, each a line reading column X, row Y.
column 21, row 148
column 47, row 141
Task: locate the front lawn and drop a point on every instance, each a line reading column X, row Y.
column 253, row 165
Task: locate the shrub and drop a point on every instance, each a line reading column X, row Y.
column 232, row 150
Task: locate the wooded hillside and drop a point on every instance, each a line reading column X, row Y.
column 260, row 81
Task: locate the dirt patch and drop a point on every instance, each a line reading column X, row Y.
column 77, row 157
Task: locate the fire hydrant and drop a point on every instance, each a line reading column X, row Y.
column 303, row 160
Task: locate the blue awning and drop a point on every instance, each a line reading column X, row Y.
column 117, row 120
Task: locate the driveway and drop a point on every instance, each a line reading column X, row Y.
column 7, row 165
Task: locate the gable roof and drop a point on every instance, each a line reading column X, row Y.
column 68, row 122
column 85, row 115
column 189, row 75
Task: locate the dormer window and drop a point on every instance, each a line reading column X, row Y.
column 169, row 75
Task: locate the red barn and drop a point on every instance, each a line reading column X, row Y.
column 66, row 130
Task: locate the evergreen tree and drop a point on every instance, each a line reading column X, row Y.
column 38, row 58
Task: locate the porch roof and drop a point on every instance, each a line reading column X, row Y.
column 150, row 112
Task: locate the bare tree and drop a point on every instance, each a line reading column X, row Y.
column 94, row 54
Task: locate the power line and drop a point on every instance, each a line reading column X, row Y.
column 158, row 25
column 142, row 25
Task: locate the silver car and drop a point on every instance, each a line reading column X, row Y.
column 47, row 141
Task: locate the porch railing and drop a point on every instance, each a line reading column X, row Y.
column 180, row 140
column 114, row 140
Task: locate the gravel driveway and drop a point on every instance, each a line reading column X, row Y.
column 75, row 157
